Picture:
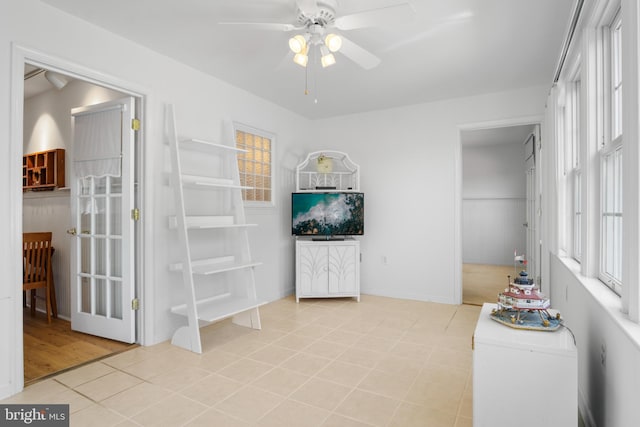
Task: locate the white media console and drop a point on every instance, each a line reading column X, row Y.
column 327, row 268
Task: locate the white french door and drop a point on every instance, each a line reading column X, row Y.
column 102, row 200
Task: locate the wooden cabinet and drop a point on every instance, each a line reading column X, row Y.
column 43, row 170
column 326, row 269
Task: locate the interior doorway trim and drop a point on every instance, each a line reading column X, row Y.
column 14, row 332
column 517, row 121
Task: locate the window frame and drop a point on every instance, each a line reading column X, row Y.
column 569, row 123
column 574, row 173
column 610, row 150
column 246, row 129
column 577, row 216
column 611, row 195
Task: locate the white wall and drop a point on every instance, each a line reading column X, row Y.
column 410, row 177
column 493, row 203
column 47, row 125
column 494, row 171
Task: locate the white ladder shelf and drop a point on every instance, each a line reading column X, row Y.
column 221, row 284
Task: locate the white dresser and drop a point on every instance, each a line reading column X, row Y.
column 523, row 378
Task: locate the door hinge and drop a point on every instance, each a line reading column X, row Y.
column 135, row 304
column 135, row 124
column 135, row 214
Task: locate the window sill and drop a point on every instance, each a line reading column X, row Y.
column 608, row 300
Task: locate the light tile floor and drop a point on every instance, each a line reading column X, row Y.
column 319, row 363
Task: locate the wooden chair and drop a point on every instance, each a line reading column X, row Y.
column 36, row 268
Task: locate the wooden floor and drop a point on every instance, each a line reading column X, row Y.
column 482, row 283
column 50, row 348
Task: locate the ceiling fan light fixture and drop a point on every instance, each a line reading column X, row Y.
column 301, row 59
column 328, row 60
column 327, row 57
column 333, row 42
column 298, row 44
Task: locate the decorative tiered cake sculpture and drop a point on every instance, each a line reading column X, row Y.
column 523, row 306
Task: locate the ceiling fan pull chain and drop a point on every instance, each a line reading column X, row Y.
column 315, row 89
column 306, row 80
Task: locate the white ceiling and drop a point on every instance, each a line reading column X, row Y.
column 35, row 82
column 446, row 49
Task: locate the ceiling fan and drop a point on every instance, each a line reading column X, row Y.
column 317, row 26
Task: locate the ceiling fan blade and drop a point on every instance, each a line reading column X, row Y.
column 308, row 7
column 360, row 56
column 439, row 26
column 271, row 26
column 390, row 15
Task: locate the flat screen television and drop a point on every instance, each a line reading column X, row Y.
column 327, row 214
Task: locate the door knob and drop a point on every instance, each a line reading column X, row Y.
column 72, row 231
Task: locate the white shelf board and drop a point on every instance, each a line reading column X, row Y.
column 202, row 222
column 217, row 308
column 210, row 182
column 209, row 266
column 199, row 144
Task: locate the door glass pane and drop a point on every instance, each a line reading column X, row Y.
column 84, row 186
column 100, row 186
column 85, row 295
column 116, row 184
column 116, row 257
column 101, row 257
column 101, row 297
column 85, row 255
column 115, row 227
column 116, row 298
column 85, row 224
column 100, row 216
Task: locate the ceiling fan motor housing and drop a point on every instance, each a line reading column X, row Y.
column 325, row 15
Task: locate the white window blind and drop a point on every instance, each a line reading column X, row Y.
column 97, row 143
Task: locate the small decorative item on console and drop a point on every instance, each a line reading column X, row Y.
column 325, row 164
column 523, row 306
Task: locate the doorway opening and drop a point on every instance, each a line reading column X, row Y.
column 496, row 166
column 49, row 97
